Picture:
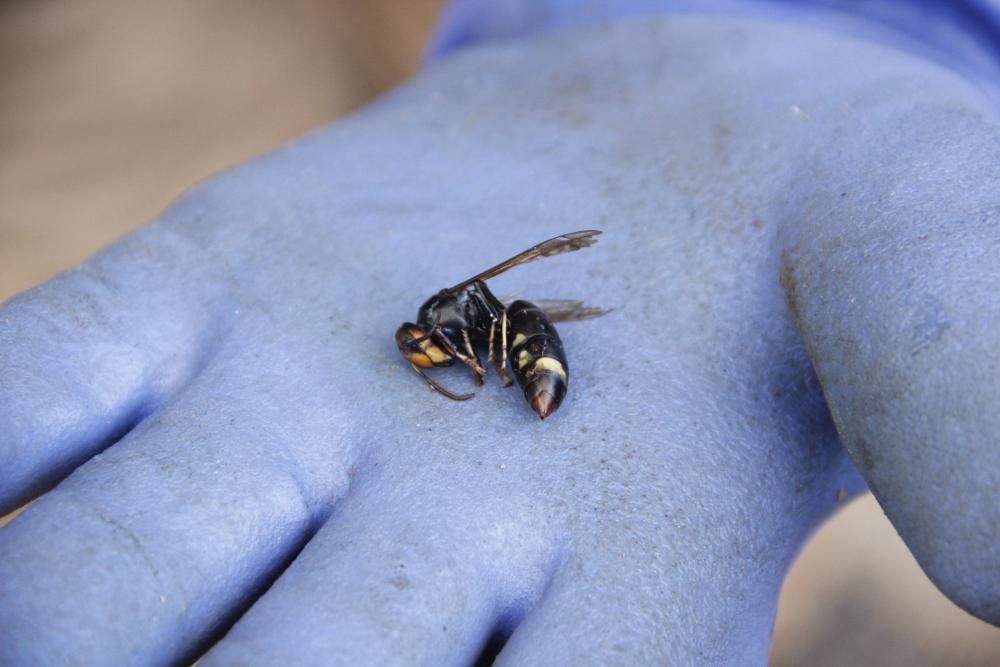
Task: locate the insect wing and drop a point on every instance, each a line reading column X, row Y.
column 568, row 310
column 554, row 246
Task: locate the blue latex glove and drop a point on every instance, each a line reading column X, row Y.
column 773, row 199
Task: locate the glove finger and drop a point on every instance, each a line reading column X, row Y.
column 88, row 354
column 401, row 575
column 899, row 314
column 147, row 552
column 674, row 581
column 651, row 607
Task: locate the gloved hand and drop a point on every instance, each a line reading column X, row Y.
column 773, row 199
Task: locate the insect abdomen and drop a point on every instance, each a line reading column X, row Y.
column 536, row 357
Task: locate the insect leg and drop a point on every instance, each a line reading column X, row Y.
column 438, row 388
column 502, row 365
column 445, row 343
column 421, row 339
column 490, row 344
column 473, row 359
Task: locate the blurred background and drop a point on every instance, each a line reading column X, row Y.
column 109, row 109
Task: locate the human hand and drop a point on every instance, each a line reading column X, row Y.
column 652, row 518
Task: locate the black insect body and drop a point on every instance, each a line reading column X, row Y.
column 455, row 321
column 537, row 357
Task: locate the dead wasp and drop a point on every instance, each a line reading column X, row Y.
column 455, row 320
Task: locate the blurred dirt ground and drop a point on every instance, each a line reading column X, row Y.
column 109, row 109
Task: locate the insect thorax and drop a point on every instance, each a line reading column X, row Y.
column 454, row 312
